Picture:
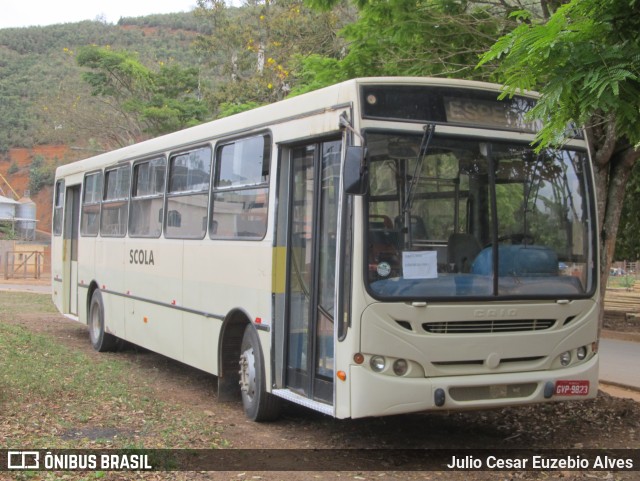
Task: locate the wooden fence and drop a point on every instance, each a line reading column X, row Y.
column 25, row 265
column 622, row 307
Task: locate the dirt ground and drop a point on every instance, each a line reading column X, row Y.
column 612, row 421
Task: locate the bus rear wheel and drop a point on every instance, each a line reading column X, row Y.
column 259, row 405
column 100, row 340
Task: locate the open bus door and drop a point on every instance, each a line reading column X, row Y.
column 311, row 263
column 70, row 247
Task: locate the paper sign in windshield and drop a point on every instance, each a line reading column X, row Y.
column 420, row 265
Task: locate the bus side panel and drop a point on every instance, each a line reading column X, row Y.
column 201, row 330
column 86, row 274
column 200, row 336
column 220, row 277
column 109, row 258
column 154, row 327
column 153, row 286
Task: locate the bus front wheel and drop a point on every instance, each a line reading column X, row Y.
column 100, row 340
column 259, row 405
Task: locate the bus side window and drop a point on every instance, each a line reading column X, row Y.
column 147, row 197
column 188, row 195
column 92, row 194
column 58, row 206
column 241, row 189
column 115, row 206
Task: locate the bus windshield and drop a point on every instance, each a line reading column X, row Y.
column 476, row 218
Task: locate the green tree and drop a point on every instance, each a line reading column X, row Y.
column 411, row 37
column 8, row 230
column 253, row 50
column 40, row 174
column 585, row 61
column 158, row 101
column 628, row 240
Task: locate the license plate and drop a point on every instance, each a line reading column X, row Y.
column 572, row 388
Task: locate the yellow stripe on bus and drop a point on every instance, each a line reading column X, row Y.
column 279, row 280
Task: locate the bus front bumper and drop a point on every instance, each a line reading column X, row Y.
column 374, row 394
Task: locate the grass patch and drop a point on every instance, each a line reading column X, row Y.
column 53, row 396
column 14, row 303
column 619, row 282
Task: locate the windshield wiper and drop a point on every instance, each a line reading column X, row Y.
column 429, row 129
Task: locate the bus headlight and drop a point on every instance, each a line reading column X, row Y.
column 581, row 353
column 390, row 366
column 565, row 358
column 400, row 367
column 377, row 363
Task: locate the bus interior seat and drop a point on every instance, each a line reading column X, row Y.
column 383, row 242
column 418, row 229
column 462, row 251
column 380, row 222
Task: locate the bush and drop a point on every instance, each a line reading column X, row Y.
column 40, row 174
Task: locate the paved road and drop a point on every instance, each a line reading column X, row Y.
column 620, row 362
column 26, row 287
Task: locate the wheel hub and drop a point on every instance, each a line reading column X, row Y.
column 94, row 327
column 247, row 373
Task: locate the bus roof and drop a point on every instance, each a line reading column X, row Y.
column 340, row 94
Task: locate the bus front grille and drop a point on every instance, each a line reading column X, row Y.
column 488, row 326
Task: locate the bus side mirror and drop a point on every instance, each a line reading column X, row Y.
column 355, row 171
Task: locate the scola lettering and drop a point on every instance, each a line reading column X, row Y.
column 141, row 256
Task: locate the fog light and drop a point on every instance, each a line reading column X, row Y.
column 358, row 358
column 565, row 358
column 400, row 367
column 581, row 353
column 377, row 363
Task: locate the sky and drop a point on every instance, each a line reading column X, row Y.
column 25, row 13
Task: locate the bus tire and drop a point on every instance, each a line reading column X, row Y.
column 259, row 405
column 100, row 340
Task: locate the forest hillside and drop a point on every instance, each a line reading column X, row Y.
column 40, row 81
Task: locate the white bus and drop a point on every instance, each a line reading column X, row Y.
column 380, row 246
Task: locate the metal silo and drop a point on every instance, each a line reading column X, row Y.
column 26, row 217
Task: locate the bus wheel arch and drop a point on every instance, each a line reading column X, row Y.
column 93, row 286
column 242, row 368
column 229, row 343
